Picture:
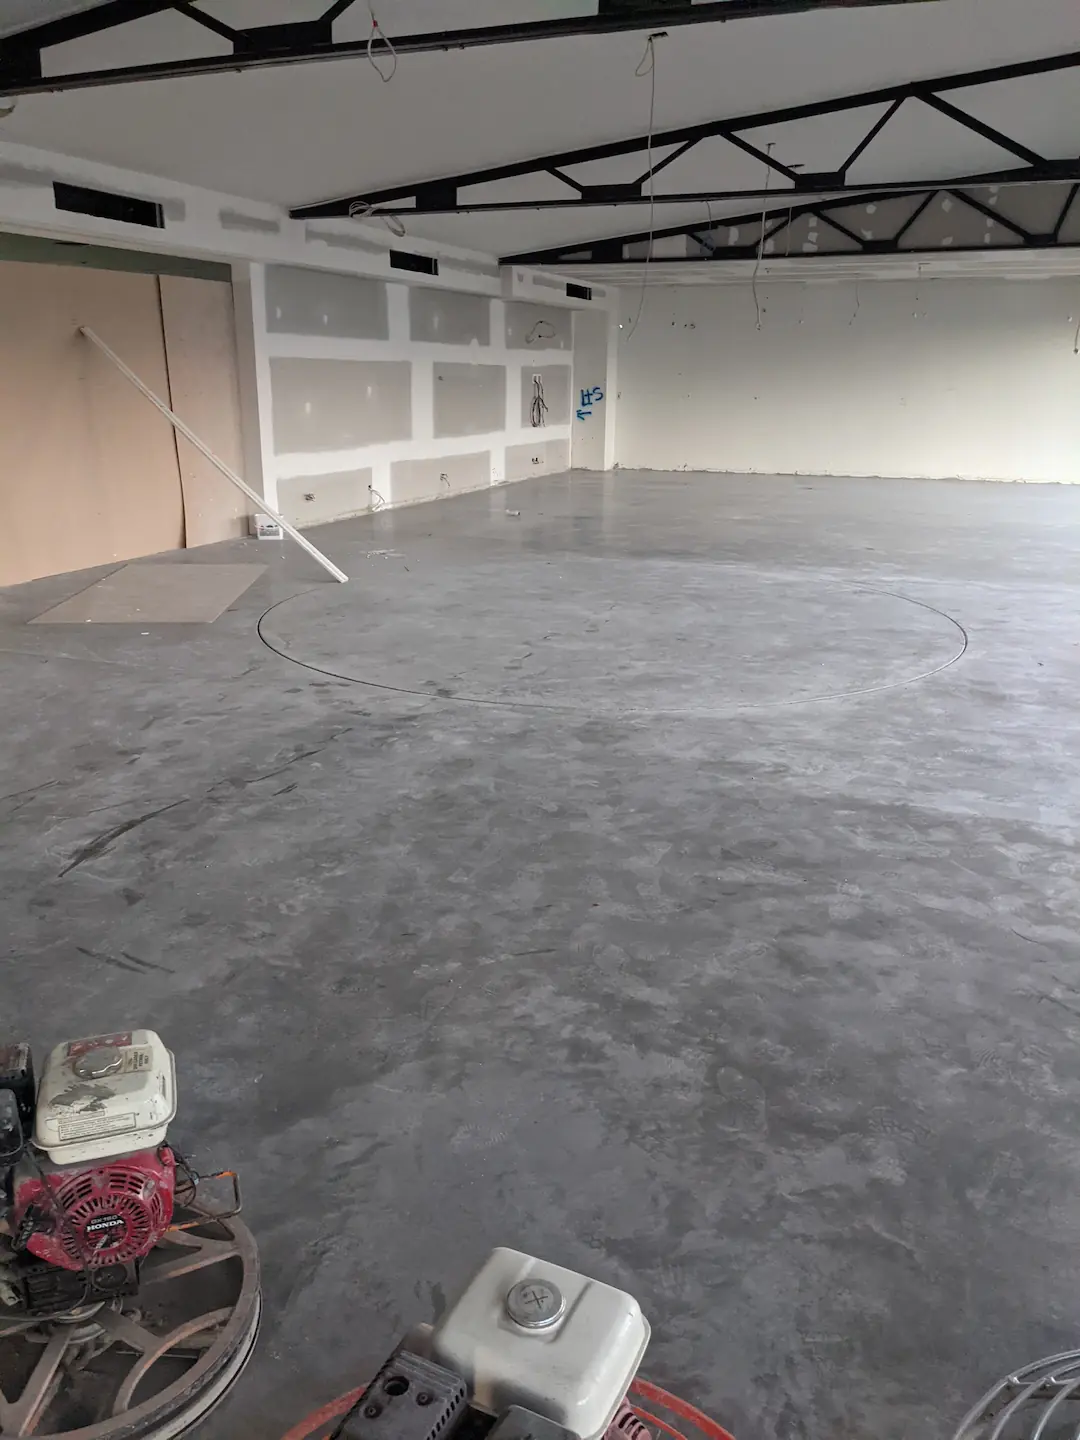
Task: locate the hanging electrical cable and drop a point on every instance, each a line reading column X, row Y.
column 538, row 411
column 761, row 238
column 378, row 33
column 647, row 66
column 363, row 209
column 858, row 304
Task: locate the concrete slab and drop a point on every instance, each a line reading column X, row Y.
column 767, row 1013
column 155, row 594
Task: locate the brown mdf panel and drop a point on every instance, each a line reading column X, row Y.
column 339, row 404
column 88, row 467
column 200, row 347
column 434, row 479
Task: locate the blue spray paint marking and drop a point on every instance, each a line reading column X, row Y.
column 592, row 396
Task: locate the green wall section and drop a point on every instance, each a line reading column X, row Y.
column 35, row 250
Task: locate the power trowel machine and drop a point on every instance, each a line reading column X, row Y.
column 129, row 1299
column 128, row 1302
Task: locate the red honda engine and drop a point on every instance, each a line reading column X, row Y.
column 89, row 1179
column 108, row 1214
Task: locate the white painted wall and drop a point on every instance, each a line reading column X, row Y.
column 252, row 235
column 939, row 378
column 423, row 444
column 592, row 406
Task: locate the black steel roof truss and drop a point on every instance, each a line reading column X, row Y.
column 443, row 196
column 770, row 225
column 305, row 41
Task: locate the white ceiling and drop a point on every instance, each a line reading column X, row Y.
column 15, row 14
column 315, row 131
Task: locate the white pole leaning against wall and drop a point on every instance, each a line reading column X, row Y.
column 218, row 464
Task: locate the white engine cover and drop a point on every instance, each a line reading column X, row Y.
column 532, row 1334
column 104, row 1096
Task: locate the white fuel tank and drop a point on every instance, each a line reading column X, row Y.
column 532, row 1334
column 103, row 1096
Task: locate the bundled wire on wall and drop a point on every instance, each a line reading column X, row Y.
column 647, row 66
column 538, row 411
column 761, row 239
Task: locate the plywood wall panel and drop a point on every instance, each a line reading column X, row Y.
column 200, row 347
column 88, row 469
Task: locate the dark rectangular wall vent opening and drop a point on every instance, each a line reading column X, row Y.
column 579, row 292
column 419, row 264
column 81, row 201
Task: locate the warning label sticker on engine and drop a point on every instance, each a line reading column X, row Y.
column 80, row 1127
column 97, row 1042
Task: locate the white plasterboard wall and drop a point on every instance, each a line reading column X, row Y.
column 211, row 224
column 551, row 441
column 938, row 378
column 253, row 236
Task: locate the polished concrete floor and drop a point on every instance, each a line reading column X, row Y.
column 676, row 879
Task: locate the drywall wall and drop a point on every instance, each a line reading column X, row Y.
column 593, row 432
column 412, row 480
column 318, row 302
column 545, row 391
column 339, row 404
column 315, row 499
column 469, row 399
column 939, row 378
column 541, row 457
column 406, row 394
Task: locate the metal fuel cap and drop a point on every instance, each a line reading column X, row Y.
column 96, row 1064
column 535, row 1304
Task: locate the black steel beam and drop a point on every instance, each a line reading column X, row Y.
column 615, row 196
column 782, row 217
column 916, row 214
column 1074, row 190
column 977, row 205
column 18, row 77
column 739, row 253
column 997, row 137
column 687, row 136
